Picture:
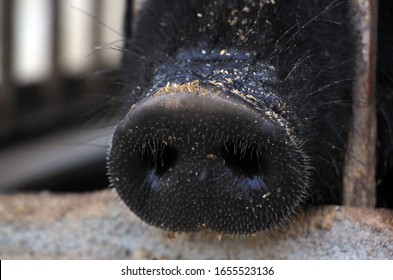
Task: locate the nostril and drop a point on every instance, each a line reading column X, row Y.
column 158, row 156
column 244, row 158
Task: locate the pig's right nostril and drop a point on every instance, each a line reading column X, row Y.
column 157, row 156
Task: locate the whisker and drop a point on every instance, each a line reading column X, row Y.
column 331, row 6
column 98, row 21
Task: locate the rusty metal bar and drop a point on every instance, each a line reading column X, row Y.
column 7, row 97
column 360, row 167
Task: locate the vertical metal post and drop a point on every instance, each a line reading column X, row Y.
column 53, row 92
column 97, row 33
column 7, row 95
column 360, row 167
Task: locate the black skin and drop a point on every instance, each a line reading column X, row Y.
column 287, row 66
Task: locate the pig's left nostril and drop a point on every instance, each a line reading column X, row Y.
column 243, row 158
column 157, row 156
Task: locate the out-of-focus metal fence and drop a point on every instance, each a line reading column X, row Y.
column 59, row 61
column 55, row 62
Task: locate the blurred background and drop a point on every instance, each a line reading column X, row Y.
column 58, row 78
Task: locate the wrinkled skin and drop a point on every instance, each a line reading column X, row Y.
column 236, row 112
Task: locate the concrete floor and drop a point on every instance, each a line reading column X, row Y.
column 98, row 226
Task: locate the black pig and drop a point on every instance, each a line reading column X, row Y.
column 238, row 112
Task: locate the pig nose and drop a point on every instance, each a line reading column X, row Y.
column 185, row 160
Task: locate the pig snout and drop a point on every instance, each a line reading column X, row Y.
column 191, row 157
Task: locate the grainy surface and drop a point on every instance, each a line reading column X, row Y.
column 98, row 226
column 359, row 179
